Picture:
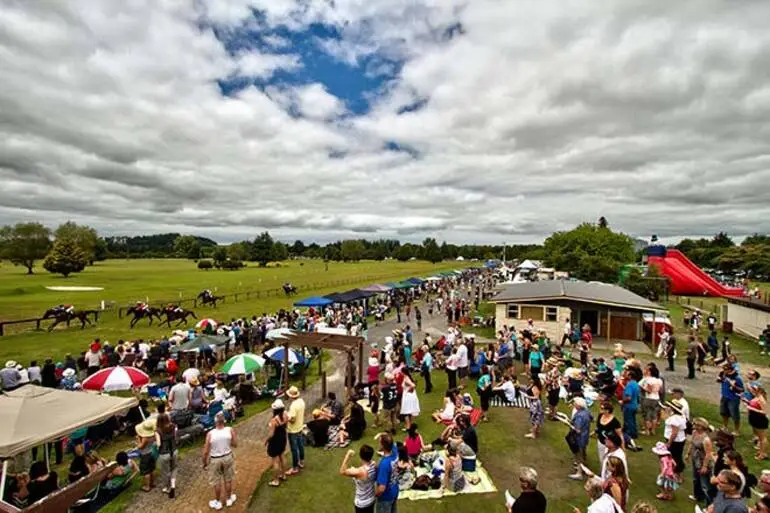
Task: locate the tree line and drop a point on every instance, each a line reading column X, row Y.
column 721, row 253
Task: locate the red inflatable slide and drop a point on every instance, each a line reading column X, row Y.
column 687, row 279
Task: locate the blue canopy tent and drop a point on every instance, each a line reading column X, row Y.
column 314, row 301
column 349, row 296
column 416, row 281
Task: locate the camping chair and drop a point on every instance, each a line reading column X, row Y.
column 84, row 505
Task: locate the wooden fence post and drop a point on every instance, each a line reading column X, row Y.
column 2, row 329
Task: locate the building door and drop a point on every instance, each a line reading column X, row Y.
column 590, row 317
column 623, row 328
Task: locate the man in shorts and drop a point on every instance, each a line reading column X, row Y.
column 218, row 459
column 390, row 402
column 730, row 401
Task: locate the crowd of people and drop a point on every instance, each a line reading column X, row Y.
column 556, row 380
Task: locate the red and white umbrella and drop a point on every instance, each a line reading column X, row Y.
column 116, row 378
column 206, row 323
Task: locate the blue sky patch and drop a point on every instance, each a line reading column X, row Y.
column 355, row 84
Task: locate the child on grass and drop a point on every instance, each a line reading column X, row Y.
column 374, row 401
column 666, row 481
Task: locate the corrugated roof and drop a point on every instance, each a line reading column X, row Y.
column 590, row 292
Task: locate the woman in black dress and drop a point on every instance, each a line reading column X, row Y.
column 606, row 423
column 276, row 440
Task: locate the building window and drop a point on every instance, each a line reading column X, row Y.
column 513, row 311
column 551, row 313
column 536, row 313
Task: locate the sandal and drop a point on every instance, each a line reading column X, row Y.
column 274, row 483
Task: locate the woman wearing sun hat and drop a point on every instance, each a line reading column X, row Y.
column 276, row 440
column 145, row 444
column 10, row 377
column 69, row 380
column 675, row 435
column 700, row 453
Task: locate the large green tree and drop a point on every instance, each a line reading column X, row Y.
column 84, row 237
column 589, row 252
column 24, row 243
column 431, row 250
column 187, row 246
column 262, row 248
column 279, row 252
column 65, row 258
column 352, row 250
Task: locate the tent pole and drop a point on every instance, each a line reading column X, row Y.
column 47, row 457
column 2, row 479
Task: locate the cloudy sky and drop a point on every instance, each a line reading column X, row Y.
column 467, row 120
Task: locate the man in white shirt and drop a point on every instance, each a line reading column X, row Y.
column 613, row 444
column 180, row 395
column 462, row 362
column 567, row 331
column 94, row 360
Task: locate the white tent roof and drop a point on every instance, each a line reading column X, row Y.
column 528, row 264
column 31, row 415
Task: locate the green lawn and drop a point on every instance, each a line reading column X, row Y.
column 126, row 281
column 746, row 349
column 503, row 449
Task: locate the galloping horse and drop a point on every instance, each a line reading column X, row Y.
column 148, row 312
column 207, row 298
column 177, row 314
column 289, row 289
column 59, row 316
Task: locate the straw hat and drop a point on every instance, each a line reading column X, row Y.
column 194, row 382
column 68, row 373
column 660, row 449
column 10, row 364
column 373, row 361
column 146, row 429
column 702, row 423
column 277, row 405
column 675, row 405
column 292, row 392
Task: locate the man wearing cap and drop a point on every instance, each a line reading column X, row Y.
column 294, row 427
column 678, row 394
column 218, row 459
column 729, row 403
column 10, row 376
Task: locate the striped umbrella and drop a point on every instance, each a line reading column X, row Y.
column 206, row 323
column 243, row 364
column 116, row 378
column 279, row 333
column 276, row 354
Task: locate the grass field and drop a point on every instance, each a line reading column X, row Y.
column 126, row 281
column 502, row 450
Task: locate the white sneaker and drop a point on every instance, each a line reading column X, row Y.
column 215, row 504
column 231, row 500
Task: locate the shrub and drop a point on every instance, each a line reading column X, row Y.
column 205, row 264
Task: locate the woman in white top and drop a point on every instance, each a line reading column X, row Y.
column 600, row 502
column 363, row 477
column 651, row 385
column 410, row 404
column 218, row 458
column 448, row 411
column 220, row 392
column 674, row 433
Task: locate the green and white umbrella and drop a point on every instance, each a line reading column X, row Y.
column 243, row 364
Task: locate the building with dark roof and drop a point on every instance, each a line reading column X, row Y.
column 611, row 311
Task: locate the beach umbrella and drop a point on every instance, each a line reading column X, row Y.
column 276, row 354
column 116, row 378
column 243, row 364
column 279, row 334
column 207, row 323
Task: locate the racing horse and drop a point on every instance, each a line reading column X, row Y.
column 289, row 289
column 147, row 312
column 177, row 314
column 207, row 298
column 59, row 316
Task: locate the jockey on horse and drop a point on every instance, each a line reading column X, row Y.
column 207, row 293
column 174, row 308
column 66, row 309
column 141, row 306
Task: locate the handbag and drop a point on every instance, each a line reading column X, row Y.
column 572, row 441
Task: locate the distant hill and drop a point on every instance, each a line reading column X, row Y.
column 147, row 246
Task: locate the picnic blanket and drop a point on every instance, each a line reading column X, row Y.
column 334, row 443
column 521, row 401
column 484, row 485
